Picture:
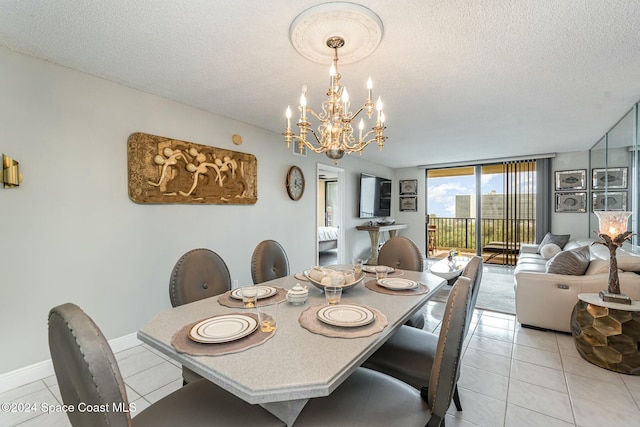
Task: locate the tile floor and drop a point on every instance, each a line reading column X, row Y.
column 511, row 376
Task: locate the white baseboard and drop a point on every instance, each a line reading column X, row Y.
column 44, row 369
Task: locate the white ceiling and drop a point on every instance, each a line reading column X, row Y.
column 460, row 79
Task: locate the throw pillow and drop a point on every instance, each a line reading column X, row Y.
column 574, row 262
column 558, row 239
column 549, row 250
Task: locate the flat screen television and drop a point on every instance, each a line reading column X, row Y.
column 375, row 196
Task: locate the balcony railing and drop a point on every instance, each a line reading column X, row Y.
column 460, row 233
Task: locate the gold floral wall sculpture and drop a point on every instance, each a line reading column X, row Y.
column 165, row 170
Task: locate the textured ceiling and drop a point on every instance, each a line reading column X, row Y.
column 460, row 80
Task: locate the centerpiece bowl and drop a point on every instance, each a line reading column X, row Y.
column 345, row 287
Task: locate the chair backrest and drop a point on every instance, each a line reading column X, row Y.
column 446, row 363
column 86, row 369
column 473, row 271
column 269, row 261
column 198, row 274
column 401, row 252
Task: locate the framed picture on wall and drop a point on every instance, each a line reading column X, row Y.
column 606, row 179
column 408, row 187
column 571, row 202
column 295, row 149
column 571, row 180
column 409, row 204
column 610, row 201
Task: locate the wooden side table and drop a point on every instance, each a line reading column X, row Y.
column 607, row 334
column 374, row 235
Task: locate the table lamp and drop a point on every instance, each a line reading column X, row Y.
column 613, row 226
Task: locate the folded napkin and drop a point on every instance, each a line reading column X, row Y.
column 373, row 285
column 183, row 344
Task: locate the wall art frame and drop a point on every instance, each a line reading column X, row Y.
column 571, row 180
column 571, row 202
column 408, row 187
column 170, row 171
column 609, row 178
column 409, row 204
column 609, row 200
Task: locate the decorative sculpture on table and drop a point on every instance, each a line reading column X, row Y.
column 164, row 170
column 613, row 226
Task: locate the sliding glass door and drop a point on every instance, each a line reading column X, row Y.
column 488, row 210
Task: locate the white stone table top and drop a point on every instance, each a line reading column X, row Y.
column 448, row 271
column 592, row 298
column 295, row 364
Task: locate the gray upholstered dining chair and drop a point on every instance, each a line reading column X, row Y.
column 403, row 253
column 198, row 274
column 410, row 353
column 268, row 262
column 370, row 398
column 88, row 373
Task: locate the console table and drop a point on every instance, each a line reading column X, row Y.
column 607, row 334
column 374, row 235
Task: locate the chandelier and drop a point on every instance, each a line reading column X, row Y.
column 334, row 134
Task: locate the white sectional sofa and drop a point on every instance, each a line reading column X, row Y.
column 546, row 300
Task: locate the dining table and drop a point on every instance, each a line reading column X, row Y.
column 295, row 364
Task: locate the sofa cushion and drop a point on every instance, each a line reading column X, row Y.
column 558, row 239
column 574, row 262
column 549, row 250
column 598, row 266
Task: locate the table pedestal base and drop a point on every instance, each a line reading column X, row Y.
column 286, row 411
column 607, row 337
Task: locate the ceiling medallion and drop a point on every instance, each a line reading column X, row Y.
column 359, row 27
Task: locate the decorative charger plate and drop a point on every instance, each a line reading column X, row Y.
column 398, row 284
column 372, row 268
column 346, row 315
column 263, row 292
column 223, row 328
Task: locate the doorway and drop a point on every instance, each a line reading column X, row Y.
column 330, row 215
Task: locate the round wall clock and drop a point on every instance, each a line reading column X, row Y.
column 295, row 183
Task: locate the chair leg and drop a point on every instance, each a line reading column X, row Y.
column 456, row 399
column 424, row 393
column 435, row 421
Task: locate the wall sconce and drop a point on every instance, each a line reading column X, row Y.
column 11, row 176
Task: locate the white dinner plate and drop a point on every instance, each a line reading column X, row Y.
column 223, row 328
column 397, row 283
column 372, row 269
column 346, row 315
column 263, row 292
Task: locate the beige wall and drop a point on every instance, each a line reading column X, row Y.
column 70, row 232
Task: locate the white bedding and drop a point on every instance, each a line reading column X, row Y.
column 327, row 233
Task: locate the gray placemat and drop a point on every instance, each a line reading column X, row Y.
column 309, row 320
column 228, row 301
column 373, row 285
column 183, row 344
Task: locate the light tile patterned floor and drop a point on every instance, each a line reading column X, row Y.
column 511, row 376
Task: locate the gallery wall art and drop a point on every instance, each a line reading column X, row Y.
column 166, row 170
